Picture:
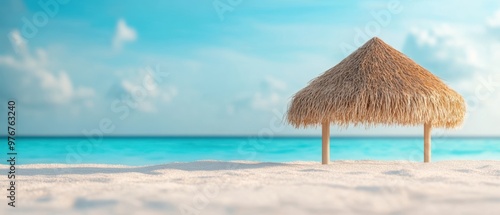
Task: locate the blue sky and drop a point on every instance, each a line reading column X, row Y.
column 226, row 67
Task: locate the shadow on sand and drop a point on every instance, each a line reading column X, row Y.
column 151, row 170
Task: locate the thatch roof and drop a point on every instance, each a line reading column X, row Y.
column 377, row 84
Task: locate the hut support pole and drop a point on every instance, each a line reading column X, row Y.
column 325, row 133
column 427, row 142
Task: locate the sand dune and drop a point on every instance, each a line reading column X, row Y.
column 213, row 187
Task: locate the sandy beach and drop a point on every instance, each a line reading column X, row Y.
column 213, row 187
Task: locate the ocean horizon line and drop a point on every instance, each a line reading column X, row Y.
column 257, row 136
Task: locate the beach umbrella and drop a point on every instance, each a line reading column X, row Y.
column 376, row 84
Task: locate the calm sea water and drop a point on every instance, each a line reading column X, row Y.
column 148, row 151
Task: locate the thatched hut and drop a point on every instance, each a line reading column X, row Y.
column 376, row 84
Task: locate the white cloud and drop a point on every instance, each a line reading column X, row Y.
column 147, row 96
column 445, row 50
column 270, row 95
column 123, row 34
column 453, row 53
column 494, row 21
column 467, row 59
column 169, row 93
column 17, row 41
column 140, row 95
column 274, row 84
column 29, row 78
column 266, row 101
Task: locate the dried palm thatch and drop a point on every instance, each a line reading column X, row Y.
column 377, row 84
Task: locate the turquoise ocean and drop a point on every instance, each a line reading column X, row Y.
column 139, row 151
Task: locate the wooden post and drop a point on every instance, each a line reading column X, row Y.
column 427, row 142
column 325, row 134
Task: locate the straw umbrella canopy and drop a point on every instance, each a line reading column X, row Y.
column 377, row 84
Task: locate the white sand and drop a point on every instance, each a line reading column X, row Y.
column 210, row 187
